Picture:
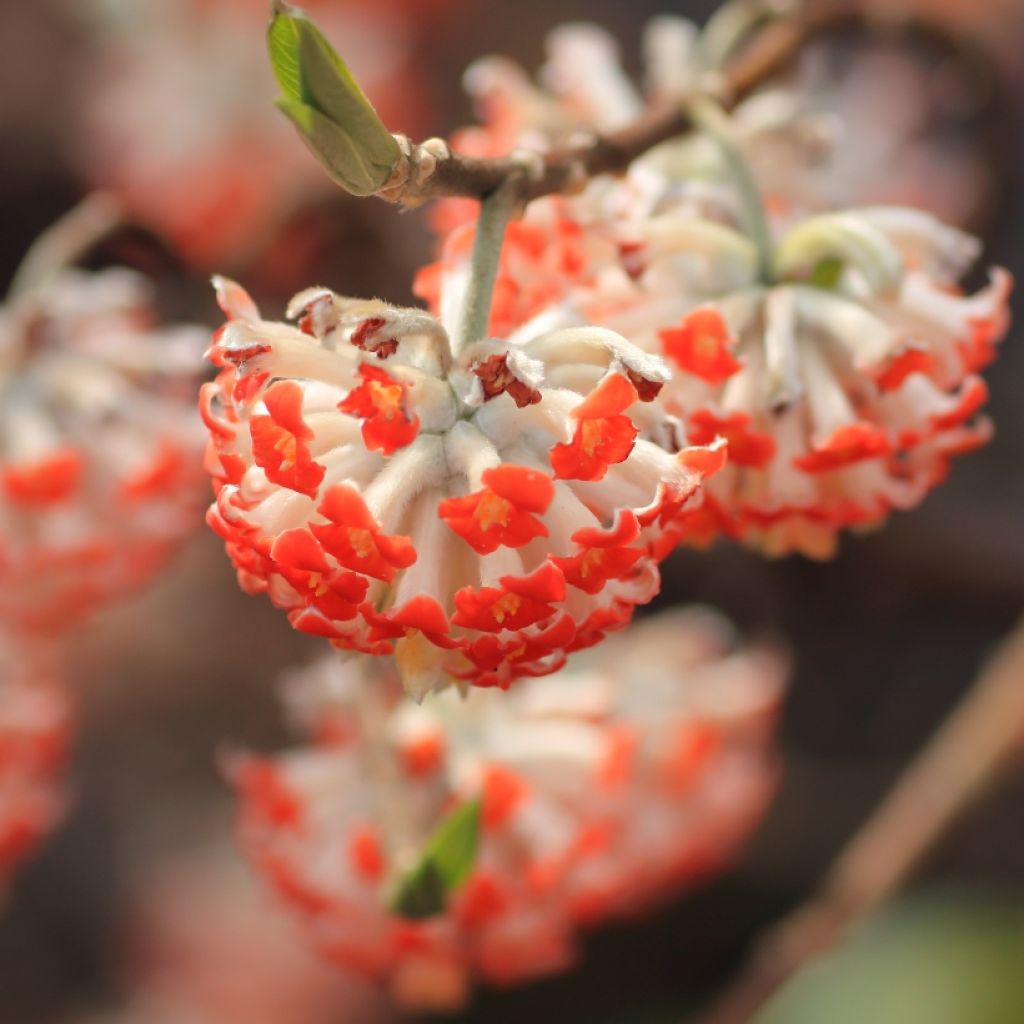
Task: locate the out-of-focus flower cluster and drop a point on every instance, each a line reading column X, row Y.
column 178, row 116
column 35, row 726
column 100, row 479
column 99, row 452
column 841, row 366
column 479, row 513
column 611, row 785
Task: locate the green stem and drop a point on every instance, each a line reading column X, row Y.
column 64, row 242
column 712, row 120
column 495, row 213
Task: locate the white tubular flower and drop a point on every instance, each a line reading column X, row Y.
column 35, row 728
column 608, row 786
column 479, row 514
column 100, row 455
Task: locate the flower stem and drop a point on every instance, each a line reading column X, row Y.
column 67, row 240
column 713, row 121
column 966, row 756
column 495, row 213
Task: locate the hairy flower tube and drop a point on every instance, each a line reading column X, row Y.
column 177, row 116
column 611, row 785
column 35, row 726
column 479, row 513
column 100, row 460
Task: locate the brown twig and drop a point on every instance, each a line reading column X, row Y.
column 769, row 52
column 965, row 757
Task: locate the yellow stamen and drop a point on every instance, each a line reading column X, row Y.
column 361, row 541
column 505, row 607
column 287, row 445
column 492, row 510
column 592, row 435
column 386, row 398
column 316, row 584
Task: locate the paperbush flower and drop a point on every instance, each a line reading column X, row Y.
column 178, row 117
column 844, row 385
column 840, row 403
column 605, row 787
column 479, row 515
column 35, row 724
column 100, row 461
column 238, row 960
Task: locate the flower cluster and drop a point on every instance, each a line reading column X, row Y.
column 479, row 513
column 180, row 123
column 604, row 788
column 840, row 400
column 35, row 724
column 100, row 470
column 841, row 366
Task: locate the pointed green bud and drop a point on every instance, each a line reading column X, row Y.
column 324, row 102
column 843, row 238
column 447, row 861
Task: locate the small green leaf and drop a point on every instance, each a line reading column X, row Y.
column 324, row 101
column 341, row 157
column 447, row 861
column 827, row 273
column 421, row 893
column 283, row 44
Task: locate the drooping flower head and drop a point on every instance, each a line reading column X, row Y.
column 100, row 460
column 480, row 514
column 844, row 386
column 842, row 399
column 35, row 725
column 611, row 785
column 843, row 373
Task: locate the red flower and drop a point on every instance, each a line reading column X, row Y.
column 519, row 602
column 355, row 539
column 846, row 445
column 503, row 511
column 606, row 555
column 701, row 346
column 280, row 440
column 603, row 435
column 380, row 402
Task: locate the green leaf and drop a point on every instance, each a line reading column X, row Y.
column 283, row 44
column 447, row 861
column 421, row 893
column 340, row 155
column 325, row 103
column 827, row 273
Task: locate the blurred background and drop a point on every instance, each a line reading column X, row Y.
column 885, row 638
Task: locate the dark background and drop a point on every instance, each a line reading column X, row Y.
column 886, row 637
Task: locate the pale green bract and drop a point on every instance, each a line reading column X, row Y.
column 325, row 104
column 447, row 861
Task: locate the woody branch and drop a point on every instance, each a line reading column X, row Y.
column 431, row 171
